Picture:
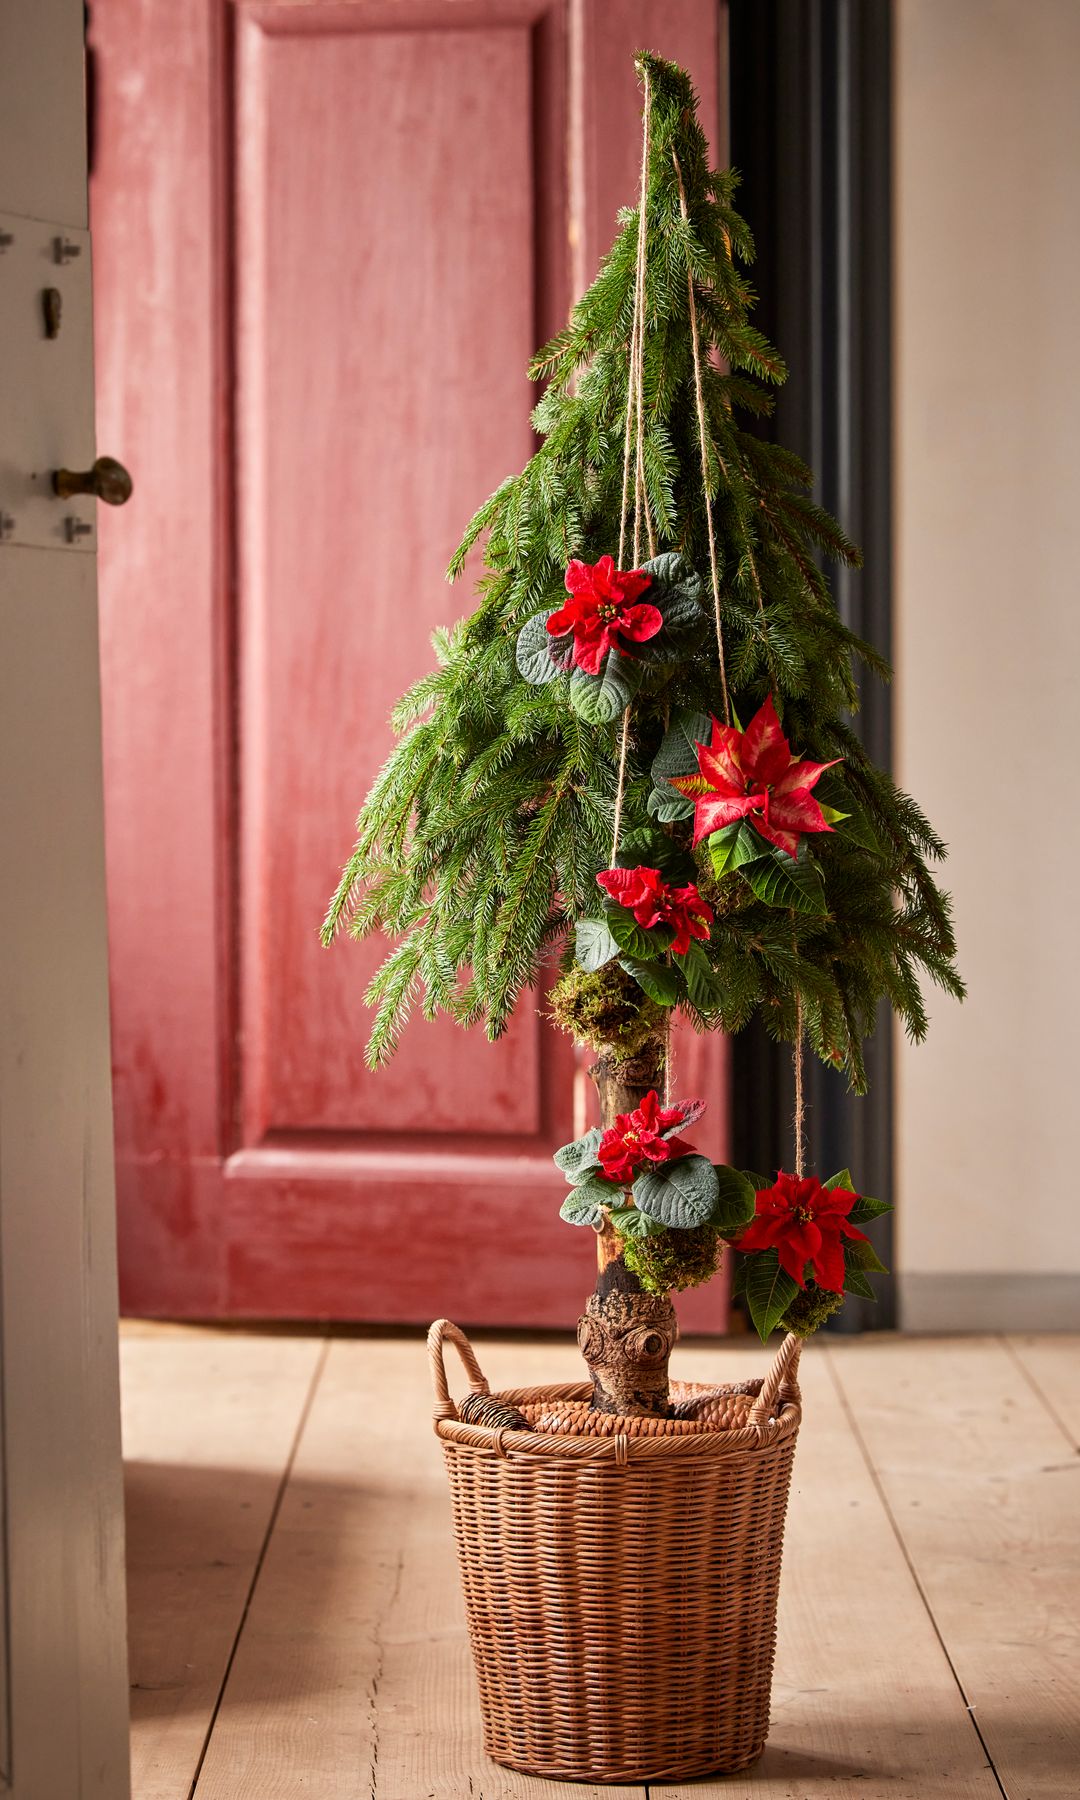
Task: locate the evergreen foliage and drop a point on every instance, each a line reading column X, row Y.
column 480, row 841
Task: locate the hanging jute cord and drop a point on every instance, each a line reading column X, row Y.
column 699, row 395
column 799, row 1120
column 635, row 404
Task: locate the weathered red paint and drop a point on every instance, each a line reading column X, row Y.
column 327, row 237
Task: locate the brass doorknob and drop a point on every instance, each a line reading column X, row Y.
column 108, row 479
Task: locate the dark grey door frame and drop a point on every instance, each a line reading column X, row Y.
column 811, row 133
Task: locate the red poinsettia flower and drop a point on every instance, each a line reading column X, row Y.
column 752, row 775
column 805, row 1223
column 602, row 611
column 636, row 1139
column 646, row 894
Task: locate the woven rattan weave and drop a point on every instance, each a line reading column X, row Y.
column 620, row 1589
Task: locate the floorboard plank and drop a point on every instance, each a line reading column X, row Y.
column 984, row 1486
column 209, row 1419
column 352, row 1677
column 864, row 1700
column 1052, row 1365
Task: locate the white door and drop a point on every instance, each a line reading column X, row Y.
column 63, row 1689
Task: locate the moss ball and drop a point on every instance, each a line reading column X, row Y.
column 674, row 1259
column 728, row 893
column 606, row 1010
column 809, row 1310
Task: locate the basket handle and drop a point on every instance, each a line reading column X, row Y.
column 444, row 1332
column 780, row 1383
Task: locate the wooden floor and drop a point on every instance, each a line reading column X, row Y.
column 296, row 1629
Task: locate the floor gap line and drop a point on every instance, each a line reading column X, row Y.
column 1044, row 1399
column 879, row 1485
column 286, row 1474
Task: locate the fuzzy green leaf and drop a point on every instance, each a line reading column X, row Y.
column 677, row 754
column 668, row 807
column 578, row 1209
column 681, row 1193
column 533, row 652
column 594, row 945
column 779, row 880
column 573, row 1159
column 769, row 1291
column 601, row 699
column 631, row 1222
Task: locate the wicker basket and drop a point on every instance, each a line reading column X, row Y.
column 620, row 1590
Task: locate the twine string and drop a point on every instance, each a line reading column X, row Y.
column 635, row 388
column 699, row 396
column 799, row 1120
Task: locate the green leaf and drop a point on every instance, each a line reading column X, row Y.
column 739, row 1274
column 577, row 1209
column 865, row 1208
column 676, row 593
column 631, row 1222
column 601, row 699
column 593, row 944
column 668, row 807
column 633, row 938
column 781, row 881
column 681, row 1193
column 758, row 1182
column 703, row 984
column 677, row 754
column 855, row 1282
column 573, row 1159
column 769, row 1291
column 842, row 1179
column 659, row 980
column 659, row 851
column 864, row 1256
column 736, row 846
column 534, row 655
column 831, row 815
column 734, row 1206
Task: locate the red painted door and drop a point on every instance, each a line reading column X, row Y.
column 328, row 237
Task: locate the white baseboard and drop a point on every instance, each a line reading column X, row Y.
column 989, row 1302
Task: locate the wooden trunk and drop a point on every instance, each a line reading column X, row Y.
column 625, row 1334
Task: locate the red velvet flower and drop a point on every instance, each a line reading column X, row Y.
column 752, row 775
column 635, row 1139
column 602, row 612
column 805, row 1223
column 646, row 894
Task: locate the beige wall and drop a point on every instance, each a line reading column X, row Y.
column 988, row 644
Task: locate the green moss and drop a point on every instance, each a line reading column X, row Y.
column 727, row 893
column 809, row 1310
column 607, row 1010
column 674, row 1259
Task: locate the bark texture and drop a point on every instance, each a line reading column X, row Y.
column 626, row 1335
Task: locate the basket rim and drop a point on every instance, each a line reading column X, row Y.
column 505, row 1441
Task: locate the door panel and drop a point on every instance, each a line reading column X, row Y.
column 385, row 283
column 356, row 222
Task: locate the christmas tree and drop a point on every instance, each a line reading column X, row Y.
column 635, row 760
